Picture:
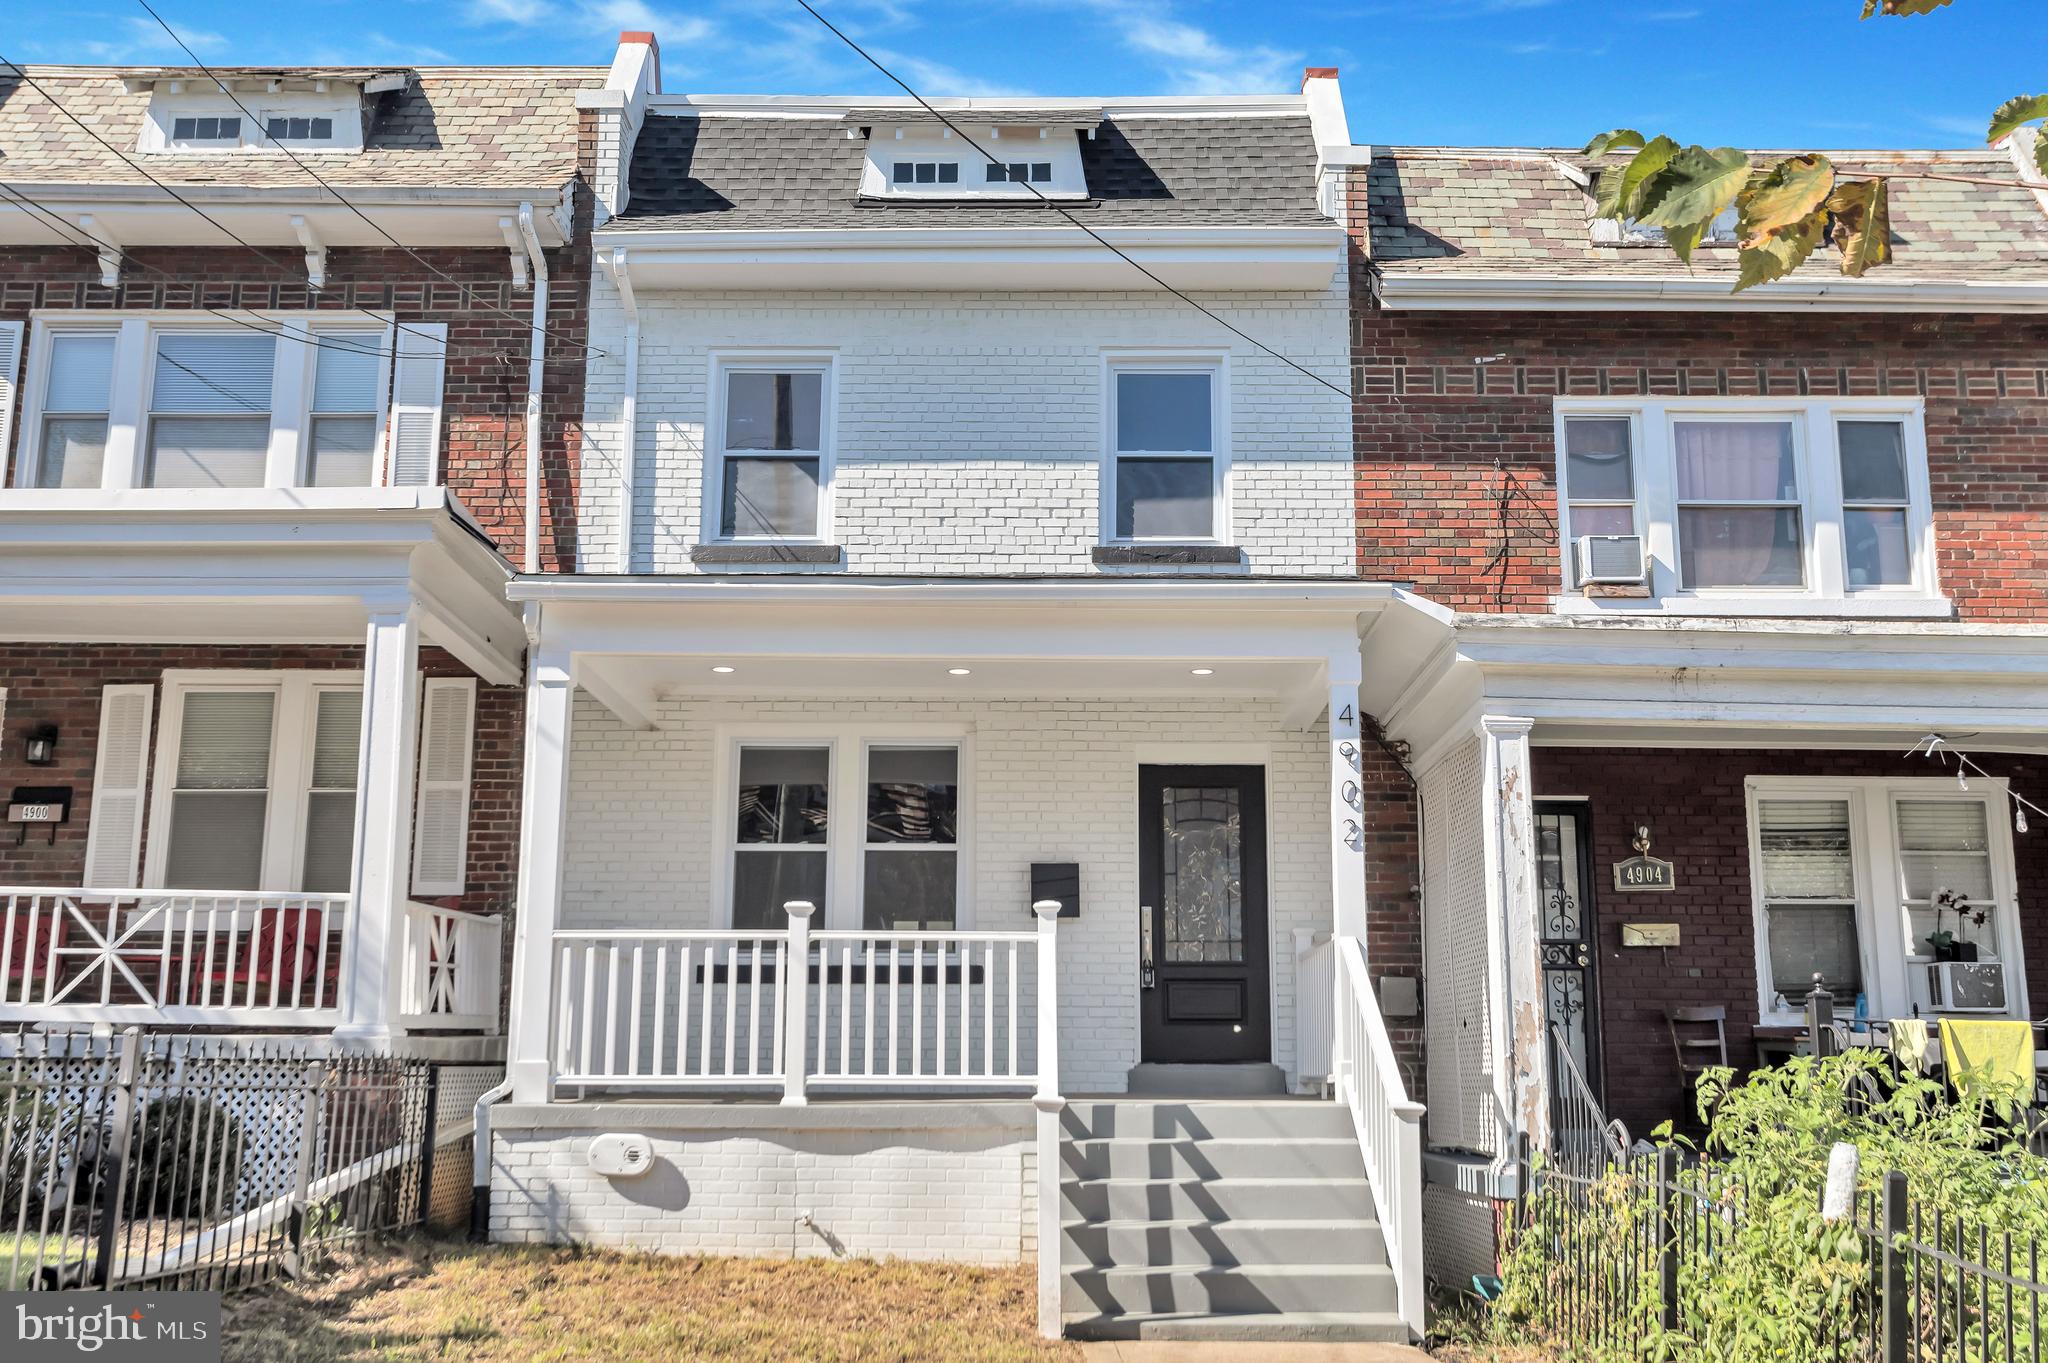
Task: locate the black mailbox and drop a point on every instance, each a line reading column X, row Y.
column 1059, row 880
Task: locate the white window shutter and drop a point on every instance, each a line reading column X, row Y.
column 415, row 444
column 113, row 841
column 10, row 364
column 440, row 842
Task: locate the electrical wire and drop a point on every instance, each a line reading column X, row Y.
column 468, row 290
column 1061, row 209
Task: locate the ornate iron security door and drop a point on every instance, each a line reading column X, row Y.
column 1569, row 944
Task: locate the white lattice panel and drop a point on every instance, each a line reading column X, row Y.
column 1459, row 1038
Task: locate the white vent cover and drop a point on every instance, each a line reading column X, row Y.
column 1610, row 558
column 619, row 1154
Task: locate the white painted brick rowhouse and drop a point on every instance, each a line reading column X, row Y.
column 969, row 427
column 1050, row 780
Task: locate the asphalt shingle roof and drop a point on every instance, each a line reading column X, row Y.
column 1436, row 212
column 732, row 173
column 455, row 127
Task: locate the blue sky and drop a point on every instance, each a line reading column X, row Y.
column 1777, row 73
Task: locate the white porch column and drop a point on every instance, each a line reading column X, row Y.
column 543, row 817
column 1513, row 910
column 1347, row 802
column 372, row 994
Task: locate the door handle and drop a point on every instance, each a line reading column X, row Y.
column 1146, row 976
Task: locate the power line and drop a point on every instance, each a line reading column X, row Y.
column 1061, row 209
column 75, row 236
column 468, row 290
column 220, row 226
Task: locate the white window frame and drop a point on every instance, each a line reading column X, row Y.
column 1823, row 549
column 288, row 456
column 846, row 790
column 1216, row 364
column 291, row 765
column 728, row 362
column 1884, row 930
column 342, row 102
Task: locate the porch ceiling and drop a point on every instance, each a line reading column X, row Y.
column 941, row 675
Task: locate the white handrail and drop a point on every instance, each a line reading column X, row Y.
column 1388, row 1123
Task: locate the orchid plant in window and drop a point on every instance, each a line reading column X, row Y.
column 1942, row 940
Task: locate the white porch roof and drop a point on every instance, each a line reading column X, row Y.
column 271, row 565
column 1709, row 683
column 633, row 641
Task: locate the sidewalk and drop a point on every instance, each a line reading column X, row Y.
column 1162, row 1351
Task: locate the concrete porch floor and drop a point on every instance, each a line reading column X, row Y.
column 1175, row 1351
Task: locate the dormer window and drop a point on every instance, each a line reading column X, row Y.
column 258, row 112
column 191, row 131
column 285, row 128
column 973, row 153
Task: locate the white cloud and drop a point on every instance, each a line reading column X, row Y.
column 1197, row 61
column 586, row 15
column 524, row 13
column 936, row 78
column 144, row 38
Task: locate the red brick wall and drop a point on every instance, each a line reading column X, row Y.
column 1694, row 803
column 60, row 684
column 1456, row 456
column 1393, row 894
column 484, row 413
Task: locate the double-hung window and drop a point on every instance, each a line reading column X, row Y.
column 1848, row 875
column 898, row 868
column 173, row 401
column 771, row 466
column 1768, row 506
column 73, row 447
column 259, row 772
column 1166, row 463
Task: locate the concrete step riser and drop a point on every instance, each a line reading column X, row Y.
column 1223, row 1243
column 1323, row 1159
column 1377, row 1328
column 1226, row 1290
column 1084, row 1120
column 1198, row 1200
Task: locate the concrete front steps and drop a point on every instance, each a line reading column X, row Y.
column 1219, row 1219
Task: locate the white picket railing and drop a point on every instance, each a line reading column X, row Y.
column 1388, row 1123
column 453, row 963
column 87, row 956
column 1314, row 978
column 709, row 1009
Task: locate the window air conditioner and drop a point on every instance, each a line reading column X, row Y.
column 1966, row 986
column 1610, row 558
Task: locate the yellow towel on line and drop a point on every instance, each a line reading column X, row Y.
column 1913, row 1044
column 1988, row 1057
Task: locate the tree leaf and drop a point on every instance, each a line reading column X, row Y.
column 1790, row 194
column 1695, row 186
column 1620, row 139
column 1683, row 239
column 2014, row 112
column 1782, row 252
column 1862, row 229
column 1621, row 187
column 1900, row 8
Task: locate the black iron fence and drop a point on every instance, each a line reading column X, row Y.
column 213, row 1162
column 1631, row 1254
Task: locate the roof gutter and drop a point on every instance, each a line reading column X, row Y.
column 1565, row 293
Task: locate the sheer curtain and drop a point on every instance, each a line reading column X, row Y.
column 1725, row 469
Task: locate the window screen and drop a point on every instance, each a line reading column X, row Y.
column 1874, row 503
column 771, row 468
column 1809, row 892
column 1599, row 476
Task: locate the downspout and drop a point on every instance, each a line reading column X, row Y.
column 629, row 408
column 480, row 1162
column 536, row 369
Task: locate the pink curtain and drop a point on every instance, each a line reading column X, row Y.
column 1732, row 461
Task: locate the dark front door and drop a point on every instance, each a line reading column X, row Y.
column 1564, row 867
column 1202, row 921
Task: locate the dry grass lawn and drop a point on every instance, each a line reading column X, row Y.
column 434, row 1303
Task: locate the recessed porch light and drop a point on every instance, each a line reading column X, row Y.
column 721, row 668
column 1204, row 671
column 958, row 671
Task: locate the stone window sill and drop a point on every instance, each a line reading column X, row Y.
column 765, row 553
column 1128, row 555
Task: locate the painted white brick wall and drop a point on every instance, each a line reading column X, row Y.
column 1053, row 780
column 969, row 426
column 965, row 1195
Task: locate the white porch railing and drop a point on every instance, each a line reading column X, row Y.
column 86, row 956
column 687, row 1009
column 228, row 958
column 454, row 961
column 1314, row 978
column 1388, row 1123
